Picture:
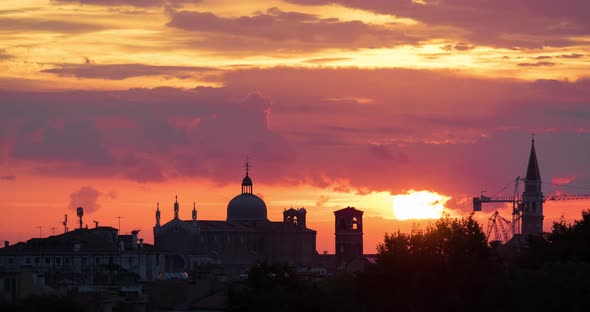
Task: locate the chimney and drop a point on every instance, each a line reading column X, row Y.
column 134, row 239
column 6, row 243
column 141, row 243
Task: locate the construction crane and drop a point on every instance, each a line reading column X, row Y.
column 527, row 208
column 515, row 200
column 500, row 227
column 517, row 203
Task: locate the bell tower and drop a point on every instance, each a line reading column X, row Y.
column 532, row 197
column 349, row 234
column 295, row 217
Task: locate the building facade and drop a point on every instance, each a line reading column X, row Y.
column 244, row 238
column 97, row 256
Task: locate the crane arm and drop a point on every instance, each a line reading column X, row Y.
column 568, row 197
column 477, row 201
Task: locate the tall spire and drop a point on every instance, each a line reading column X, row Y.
column 194, row 211
column 158, row 215
column 176, row 208
column 532, row 172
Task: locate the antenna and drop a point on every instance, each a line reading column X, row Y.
column 119, row 217
column 247, row 166
column 40, row 227
column 53, row 231
column 80, row 214
column 65, row 223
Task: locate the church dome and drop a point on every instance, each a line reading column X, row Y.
column 246, row 207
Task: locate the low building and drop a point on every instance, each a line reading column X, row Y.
column 97, row 256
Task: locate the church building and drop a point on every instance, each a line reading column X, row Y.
column 244, row 238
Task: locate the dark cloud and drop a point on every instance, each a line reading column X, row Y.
column 137, row 3
column 410, row 138
column 74, row 141
column 279, row 30
column 572, row 56
column 4, row 55
column 87, row 198
column 537, row 64
column 327, row 60
column 143, row 135
column 47, row 25
column 504, row 23
column 461, row 46
column 388, row 153
column 123, row 71
column 397, row 136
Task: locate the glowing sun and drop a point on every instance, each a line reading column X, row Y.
column 419, row 205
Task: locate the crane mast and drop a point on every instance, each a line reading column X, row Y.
column 499, row 227
column 515, row 200
column 527, row 207
column 517, row 206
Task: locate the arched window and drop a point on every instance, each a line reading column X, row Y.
column 295, row 220
column 355, row 224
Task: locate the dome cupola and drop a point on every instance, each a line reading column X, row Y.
column 246, row 206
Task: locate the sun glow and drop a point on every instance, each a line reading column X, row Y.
column 419, row 205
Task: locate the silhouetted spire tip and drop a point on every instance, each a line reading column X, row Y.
column 532, row 172
column 247, row 166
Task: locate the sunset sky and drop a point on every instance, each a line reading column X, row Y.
column 116, row 105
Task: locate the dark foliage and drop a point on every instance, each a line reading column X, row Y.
column 446, row 267
column 41, row 303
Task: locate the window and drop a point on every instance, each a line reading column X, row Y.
column 97, row 260
column 10, row 260
column 47, row 260
column 355, row 224
column 58, row 260
column 84, row 260
column 36, row 260
column 66, row 260
column 28, row 260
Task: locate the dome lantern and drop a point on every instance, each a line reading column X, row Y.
column 246, row 206
column 247, row 182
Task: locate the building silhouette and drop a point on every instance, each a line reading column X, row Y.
column 532, row 197
column 349, row 234
column 97, row 256
column 243, row 239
